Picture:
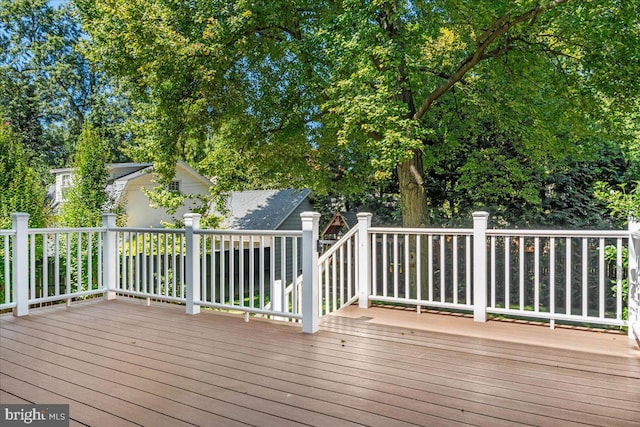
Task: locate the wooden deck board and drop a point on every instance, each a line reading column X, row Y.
column 122, row 362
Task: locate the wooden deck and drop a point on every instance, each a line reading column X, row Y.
column 123, row 363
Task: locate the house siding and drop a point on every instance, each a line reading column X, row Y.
column 293, row 221
column 140, row 214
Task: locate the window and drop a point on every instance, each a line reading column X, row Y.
column 174, row 186
column 65, row 185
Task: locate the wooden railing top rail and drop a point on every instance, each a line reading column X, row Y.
column 504, row 232
column 149, row 230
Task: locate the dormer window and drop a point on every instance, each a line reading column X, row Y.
column 174, row 186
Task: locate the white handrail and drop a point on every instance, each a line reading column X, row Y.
column 334, row 248
column 558, row 233
column 67, row 230
column 276, row 233
column 437, row 231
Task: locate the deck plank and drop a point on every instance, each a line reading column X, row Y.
column 166, row 343
column 149, row 365
column 80, row 411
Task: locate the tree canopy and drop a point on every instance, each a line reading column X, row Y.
column 48, row 88
column 483, row 100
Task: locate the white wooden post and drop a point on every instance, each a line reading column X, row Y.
column 634, row 283
column 192, row 262
column 310, row 272
column 480, row 220
column 20, row 223
column 109, row 256
column 364, row 260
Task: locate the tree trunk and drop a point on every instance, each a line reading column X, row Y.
column 413, row 199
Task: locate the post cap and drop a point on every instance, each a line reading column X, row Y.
column 480, row 214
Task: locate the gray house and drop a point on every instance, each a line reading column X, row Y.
column 267, row 209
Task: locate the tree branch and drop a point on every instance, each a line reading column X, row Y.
column 497, row 29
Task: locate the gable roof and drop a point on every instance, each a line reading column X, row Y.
column 116, row 188
column 262, row 209
column 341, row 221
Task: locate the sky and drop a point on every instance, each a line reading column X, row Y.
column 56, row 3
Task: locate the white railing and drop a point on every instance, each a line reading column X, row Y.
column 633, row 284
column 64, row 263
column 251, row 271
column 423, row 267
column 6, row 243
column 150, row 263
column 574, row 276
column 558, row 275
column 338, row 274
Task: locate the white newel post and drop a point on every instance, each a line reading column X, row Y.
column 20, row 223
column 192, row 262
column 109, row 256
column 480, row 220
column 364, row 260
column 634, row 283
column 310, row 272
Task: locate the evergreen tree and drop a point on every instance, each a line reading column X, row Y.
column 86, row 199
column 21, row 190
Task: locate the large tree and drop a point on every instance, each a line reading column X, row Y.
column 48, row 88
column 340, row 95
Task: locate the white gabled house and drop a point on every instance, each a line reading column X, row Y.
column 252, row 209
column 126, row 187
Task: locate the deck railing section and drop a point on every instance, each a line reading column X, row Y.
column 251, row 271
column 633, row 283
column 575, row 276
column 150, row 263
column 45, row 265
column 338, row 274
column 64, row 263
column 422, row 267
column 558, row 275
column 6, row 280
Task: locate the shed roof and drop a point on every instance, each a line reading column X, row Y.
column 262, row 209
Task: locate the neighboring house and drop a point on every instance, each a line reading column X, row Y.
column 126, row 185
column 253, row 209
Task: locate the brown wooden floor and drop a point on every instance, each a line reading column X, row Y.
column 123, row 363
